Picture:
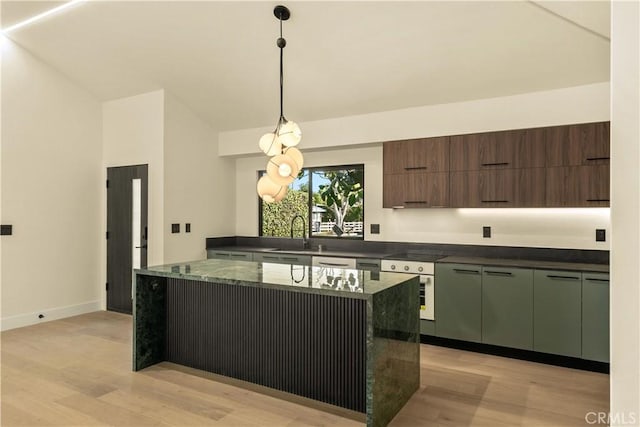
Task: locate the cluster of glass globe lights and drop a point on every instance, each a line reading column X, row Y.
column 285, row 163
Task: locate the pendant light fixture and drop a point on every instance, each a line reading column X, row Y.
column 286, row 161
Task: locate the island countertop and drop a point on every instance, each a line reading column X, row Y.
column 344, row 282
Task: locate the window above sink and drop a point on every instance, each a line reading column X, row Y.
column 330, row 199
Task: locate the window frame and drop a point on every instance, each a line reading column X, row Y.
column 311, row 170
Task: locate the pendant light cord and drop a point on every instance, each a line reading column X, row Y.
column 281, row 74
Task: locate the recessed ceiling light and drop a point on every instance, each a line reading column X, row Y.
column 41, row 16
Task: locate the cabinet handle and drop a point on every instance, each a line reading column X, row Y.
column 498, row 273
column 284, row 258
column 494, row 201
column 551, row 276
column 415, row 201
column 590, row 279
column 591, row 159
column 333, row 264
column 368, row 264
column 414, row 168
column 220, row 254
column 463, row 271
column 496, row 164
column 239, row 255
column 598, row 200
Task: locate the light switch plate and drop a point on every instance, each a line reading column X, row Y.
column 175, row 228
column 601, row 235
column 486, row 232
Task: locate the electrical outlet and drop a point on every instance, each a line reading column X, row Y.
column 375, row 228
column 187, row 228
column 486, row 232
column 601, row 235
column 175, row 228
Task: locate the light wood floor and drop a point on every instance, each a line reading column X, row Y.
column 77, row 371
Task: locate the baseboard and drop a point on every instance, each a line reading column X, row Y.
column 28, row 319
column 532, row 356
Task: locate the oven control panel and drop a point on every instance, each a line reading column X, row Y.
column 413, row 267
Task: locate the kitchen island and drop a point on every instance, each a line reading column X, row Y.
column 345, row 337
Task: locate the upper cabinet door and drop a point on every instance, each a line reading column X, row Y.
column 522, row 148
column 416, row 155
column 529, row 147
column 577, row 186
column 498, row 188
column 416, row 190
column 576, row 145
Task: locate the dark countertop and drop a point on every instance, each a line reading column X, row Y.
column 540, row 258
column 525, row 263
column 333, row 253
column 351, row 283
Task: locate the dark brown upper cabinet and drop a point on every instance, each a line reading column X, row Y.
column 574, row 145
column 416, row 190
column 577, row 186
column 416, row 173
column 522, row 148
column 500, row 188
column 558, row 166
column 416, row 155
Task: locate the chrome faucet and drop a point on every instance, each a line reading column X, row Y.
column 305, row 242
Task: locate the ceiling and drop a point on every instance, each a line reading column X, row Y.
column 342, row 58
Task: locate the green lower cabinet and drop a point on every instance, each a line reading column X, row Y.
column 282, row 258
column 557, row 312
column 458, row 301
column 427, row 327
column 595, row 317
column 234, row 255
column 260, row 257
column 507, row 307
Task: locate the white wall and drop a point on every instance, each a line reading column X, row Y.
column 133, row 134
column 199, row 186
column 625, row 213
column 51, row 181
column 555, row 228
column 580, row 104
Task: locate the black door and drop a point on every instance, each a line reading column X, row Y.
column 126, row 232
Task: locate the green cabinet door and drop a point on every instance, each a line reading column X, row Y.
column 262, row 257
column 458, row 301
column 557, row 312
column 234, row 255
column 282, row 258
column 595, row 317
column 507, row 307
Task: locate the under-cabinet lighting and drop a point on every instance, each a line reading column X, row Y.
column 41, row 16
column 601, row 212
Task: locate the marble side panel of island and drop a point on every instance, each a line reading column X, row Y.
column 393, row 349
column 149, row 320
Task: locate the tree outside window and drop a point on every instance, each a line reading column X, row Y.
column 331, row 199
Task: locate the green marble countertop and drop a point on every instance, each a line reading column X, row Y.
column 325, row 280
